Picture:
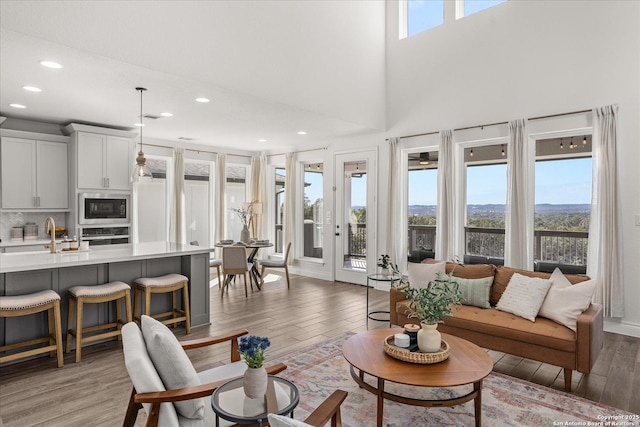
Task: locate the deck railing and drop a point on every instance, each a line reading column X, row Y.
column 357, row 240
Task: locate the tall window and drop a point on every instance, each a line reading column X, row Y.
column 468, row 7
column 280, row 174
column 422, row 15
column 236, row 196
column 197, row 193
column 562, row 202
column 422, row 208
column 486, row 171
column 313, row 210
column 152, row 201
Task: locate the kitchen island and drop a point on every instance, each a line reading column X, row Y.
column 27, row 272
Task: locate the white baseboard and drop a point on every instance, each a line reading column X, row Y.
column 622, row 328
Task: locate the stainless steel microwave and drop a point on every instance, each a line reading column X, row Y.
column 104, row 208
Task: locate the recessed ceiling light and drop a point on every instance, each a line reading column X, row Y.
column 32, row 88
column 302, row 132
column 262, row 140
column 50, row 64
column 166, row 114
column 17, row 106
column 203, row 100
column 138, row 124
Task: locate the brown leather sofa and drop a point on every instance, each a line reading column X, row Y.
column 543, row 340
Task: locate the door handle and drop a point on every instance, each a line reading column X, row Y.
column 337, row 234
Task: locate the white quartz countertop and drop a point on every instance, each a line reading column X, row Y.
column 27, row 261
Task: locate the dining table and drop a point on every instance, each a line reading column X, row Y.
column 254, row 273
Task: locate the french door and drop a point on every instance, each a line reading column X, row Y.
column 355, row 215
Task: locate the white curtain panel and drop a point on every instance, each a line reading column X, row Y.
column 518, row 245
column 259, row 194
column 178, row 217
column 220, row 210
column 289, row 204
column 397, row 200
column 605, row 238
column 445, row 221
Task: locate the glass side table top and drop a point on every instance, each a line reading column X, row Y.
column 384, row 277
column 229, row 401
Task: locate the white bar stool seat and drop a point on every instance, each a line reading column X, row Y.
column 160, row 285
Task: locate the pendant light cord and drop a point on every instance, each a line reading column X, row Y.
column 141, row 89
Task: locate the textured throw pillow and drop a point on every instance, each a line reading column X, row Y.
column 524, row 296
column 172, row 363
column 420, row 274
column 565, row 303
column 475, row 291
column 282, row 421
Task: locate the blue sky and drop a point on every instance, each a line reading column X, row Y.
column 313, row 191
column 425, row 14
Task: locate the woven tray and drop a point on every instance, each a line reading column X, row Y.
column 416, row 356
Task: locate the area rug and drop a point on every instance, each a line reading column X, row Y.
column 320, row 369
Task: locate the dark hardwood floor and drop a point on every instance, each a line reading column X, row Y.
column 95, row 392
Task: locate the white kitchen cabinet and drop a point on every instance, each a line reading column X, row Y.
column 103, row 161
column 34, row 174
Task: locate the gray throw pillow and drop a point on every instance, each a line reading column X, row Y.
column 475, row 292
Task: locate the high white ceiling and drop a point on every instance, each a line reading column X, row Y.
column 270, row 68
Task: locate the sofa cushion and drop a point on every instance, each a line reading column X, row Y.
column 173, row 364
column 543, row 332
column 503, row 276
column 475, row 291
column 476, row 271
column 524, row 296
column 565, row 302
column 422, row 273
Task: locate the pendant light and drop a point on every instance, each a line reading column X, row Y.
column 502, row 152
column 140, row 169
column 424, row 159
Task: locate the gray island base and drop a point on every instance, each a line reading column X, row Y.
column 23, row 273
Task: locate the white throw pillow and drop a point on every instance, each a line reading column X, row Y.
column 524, row 296
column 559, row 280
column 282, row 421
column 564, row 304
column 143, row 374
column 172, row 363
column 420, row 274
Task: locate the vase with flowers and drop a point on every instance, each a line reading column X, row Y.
column 245, row 214
column 430, row 305
column 252, row 349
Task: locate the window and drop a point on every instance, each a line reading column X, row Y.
column 486, row 190
column 313, row 210
column 236, row 196
column 468, row 7
column 562, row 202
column 198, row 201
column 280, row 174
column 152, row 201
column 422, row 204
column 422, row 15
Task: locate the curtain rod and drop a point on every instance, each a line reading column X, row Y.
column 299, row 151
column 499, row 123
column 195, row 150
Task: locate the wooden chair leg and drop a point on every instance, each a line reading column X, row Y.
column 567, row 379
column 286, row 270
column 246, row 293
column 185, row 304
column 132, row 411
column 262, row 272
column 218, row 270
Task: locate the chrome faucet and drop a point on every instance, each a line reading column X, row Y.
column 50, row 227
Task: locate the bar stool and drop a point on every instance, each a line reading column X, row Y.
column 80, row 295
column 23, row 305
column 217, row 263
column 162, row 285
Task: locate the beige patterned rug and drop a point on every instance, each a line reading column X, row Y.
column 320, row 369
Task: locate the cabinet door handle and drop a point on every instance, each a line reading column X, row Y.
column 35, row 202
column 38, row 201
column 108, row 183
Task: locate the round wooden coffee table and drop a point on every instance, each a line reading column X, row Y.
column 467, row 364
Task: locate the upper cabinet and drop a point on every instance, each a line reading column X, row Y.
column 34, row 174
column 103, row 161
column 102, row 157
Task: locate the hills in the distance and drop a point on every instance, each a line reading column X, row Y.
column 546, row 208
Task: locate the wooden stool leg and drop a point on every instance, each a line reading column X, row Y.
column 127, row 306
column 185, row 304
column 136, row 302
column 147, row 302
column 51, row 329
column 118, row 316
column 174, row 306
column 72, row 302
column 58, row 328
column 79, row 319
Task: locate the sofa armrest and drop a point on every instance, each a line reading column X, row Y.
column 590, row 336
column 396, row 295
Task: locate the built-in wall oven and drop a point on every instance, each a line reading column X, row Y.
column 98, row 208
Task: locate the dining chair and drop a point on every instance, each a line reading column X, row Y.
column 277, row 264
column 213, row 262
column 234, row 262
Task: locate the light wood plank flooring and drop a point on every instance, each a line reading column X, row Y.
column 95, row 392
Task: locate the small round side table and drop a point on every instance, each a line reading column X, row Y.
column 379, row 278
column 229, row 401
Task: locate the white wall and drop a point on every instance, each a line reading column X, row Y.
column 523, row 59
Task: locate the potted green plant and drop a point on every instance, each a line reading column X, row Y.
column 384, row 262
column 430, row 305
column 252, row 349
